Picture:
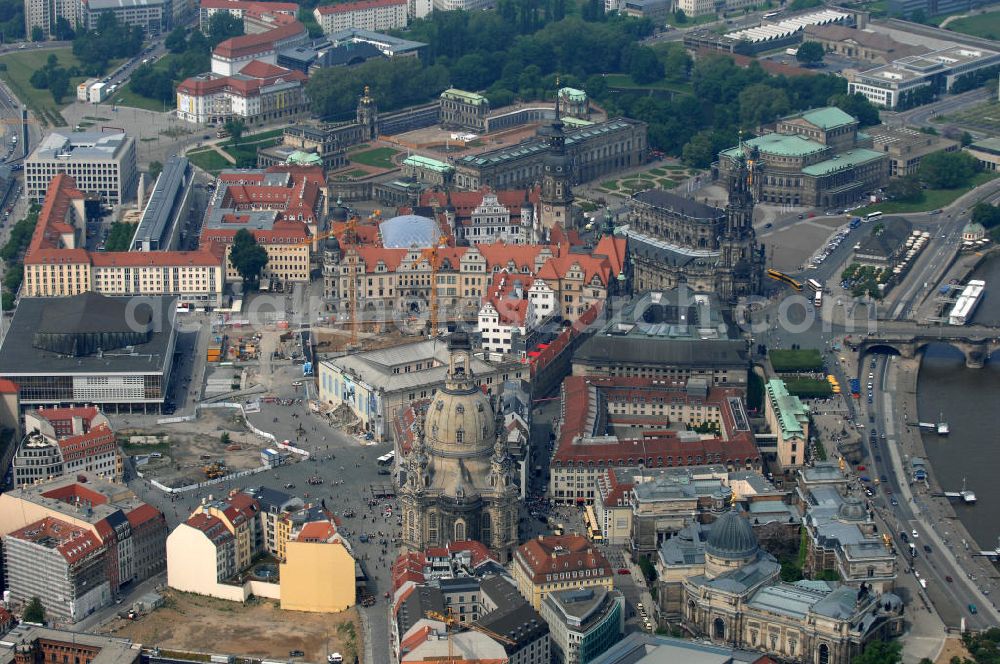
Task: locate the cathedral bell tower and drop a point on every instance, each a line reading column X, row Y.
column 557, row 193
column 742, row 259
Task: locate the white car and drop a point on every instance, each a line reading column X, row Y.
column 915, row 533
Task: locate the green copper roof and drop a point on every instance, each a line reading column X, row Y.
column 780, row 145
column 570, row 121
column 843, row 160
column 462, row 95
column 418, row 161
column 826, row 118
column 789, row 410
column 573, row 94
column 305, row 158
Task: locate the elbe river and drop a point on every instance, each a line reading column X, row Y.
column 969, row 400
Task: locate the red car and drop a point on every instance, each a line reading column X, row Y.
column 624, row 571
column 861, row 467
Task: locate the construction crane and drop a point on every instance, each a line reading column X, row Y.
column 433, row 257
column 450, row 620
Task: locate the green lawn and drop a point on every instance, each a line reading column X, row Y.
column 804, row 359
column 22, row 64
column 984, row 25
column 931, row 199
column 625, row 82
column 808, row 388
column 378, row 158
column 252, row 138
column 688, row 22
column 209, row 161
column 124, row 96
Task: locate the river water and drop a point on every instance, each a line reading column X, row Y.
column 969, row 400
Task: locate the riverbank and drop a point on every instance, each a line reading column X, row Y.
column 935, row 512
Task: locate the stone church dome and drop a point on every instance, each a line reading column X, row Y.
column 460, row 420
column 731, row 538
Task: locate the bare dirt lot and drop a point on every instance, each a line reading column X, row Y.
column 952, row 648
column 194, row 623
column 190, row 447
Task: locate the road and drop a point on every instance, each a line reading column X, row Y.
column 921, row 115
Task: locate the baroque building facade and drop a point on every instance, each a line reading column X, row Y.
column 458, row 477
column 675, row 240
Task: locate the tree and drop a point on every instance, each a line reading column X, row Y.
column 918, row 16
column 880, row 652
column 680, row 18
column 810, row 53
column 34, row 611
column 224, row 438
column 37, row 34
column 966, row 139
column 987, row 215
column 176, row 41
column 760, row 104
column 858, row 106
column 155, row 168
column 64, row 31
column 59, row 84
column 236, row 127
column 223, row 26
column 248, row 257
column 906, row 189
column 947, row 170
column 644, row 67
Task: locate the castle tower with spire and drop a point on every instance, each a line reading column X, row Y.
column 741, row 260
column 367, row 114
column 557, row 191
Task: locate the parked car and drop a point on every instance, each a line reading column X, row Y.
column 624, row 570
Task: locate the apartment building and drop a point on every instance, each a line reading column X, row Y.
column 154, row 16
column 375, row 15
column 553, row 563
column 61, row 564
column 282, row 207
column 103, row 164
column 516, row 310
column 44, row 14
column 105, row 535
column 60, row 441
column 250, row 12
column 57, row 264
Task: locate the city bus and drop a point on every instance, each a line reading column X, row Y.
column 818, row 299
column 771, row 15
column 386, row 459
column 783, row 278
column 815, row 286
column 873, row 215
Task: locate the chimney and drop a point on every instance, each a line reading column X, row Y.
column 77, row 425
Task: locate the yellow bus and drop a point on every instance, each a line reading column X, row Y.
column 783, row 278
column 593, row 528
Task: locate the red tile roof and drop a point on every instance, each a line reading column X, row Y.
column 317, row 531
column 464, row 202
column 244, row 45
column 550, row 554
column 250, row 6
column 511, row 308
column 240, row 508
column 144, row 513
column 73, row 543
column 76, row 493
column 613, row 248
column 100, row 439
column 360, row 5
column 46, row 244
column 8, row 386
column 213, row 527
column 54, row 415
column 261, row 69
column 655, row 448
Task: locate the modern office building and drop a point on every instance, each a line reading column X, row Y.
column 583, row 623
column 155, row 17
column 374, row 15
column 918, row 79
column 90, row 349
column 907, row 147
column 103, row 164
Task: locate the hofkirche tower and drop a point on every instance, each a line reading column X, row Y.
column 458, row 476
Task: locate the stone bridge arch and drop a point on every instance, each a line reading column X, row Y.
column 976, row 351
